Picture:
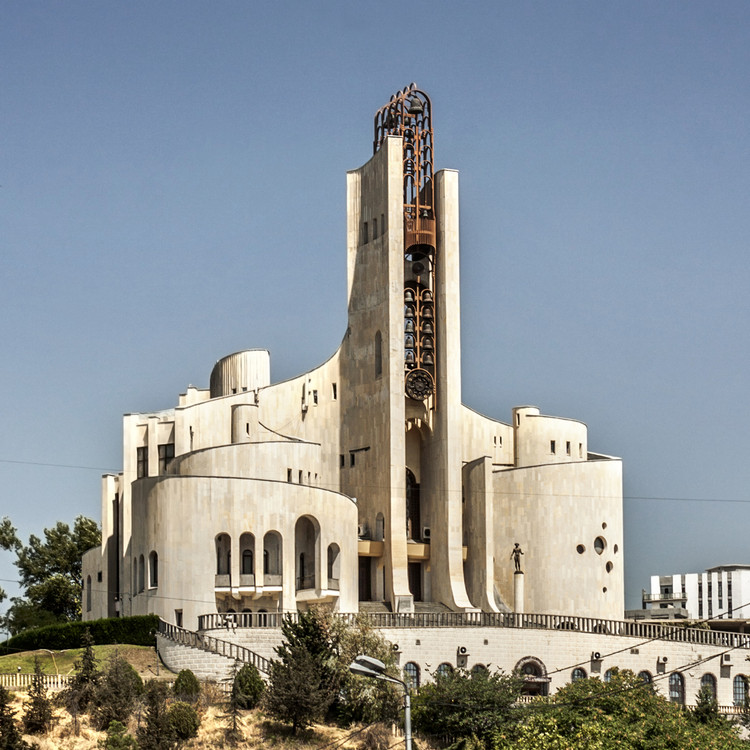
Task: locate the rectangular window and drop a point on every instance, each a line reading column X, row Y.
column 288, row 475
column 567, row 447
column 365, row 237
column 142, row 461
column 351, row 459
column 552, row 446
column 178, row 618
column 721, row 594
column 315, row 397
column 99, row 577
column 166, row 454
column 374, row 229
column 341, row 460
column 580, row 450
column 333, row 389
column 300, row 476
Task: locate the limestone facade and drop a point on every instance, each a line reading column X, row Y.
column 361, row 480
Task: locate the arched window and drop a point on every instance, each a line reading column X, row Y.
column 676, row 688
column 334, row 566
column 307, row 552
column 378, row 354
column 247, row 558
column 708, row 681
column 153, row 569
column 740, row 690
column 443, row 670
column 411, row 675
column 141, row 574
column 223, row 555
column 578, row 674
column 534, row 675
column 272, row 547
column 646, row 677
column 608, row 676
column 479, row 669
column 88, row 593
column 135, row 575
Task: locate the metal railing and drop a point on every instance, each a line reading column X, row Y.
column 677, row 596
column 384, row 620
column 214, row 645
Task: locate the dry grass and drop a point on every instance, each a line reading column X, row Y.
column 256, row 732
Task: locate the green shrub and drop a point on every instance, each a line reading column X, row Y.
column 184, row 720
column 117, row 693
column 117, row 738
column 137, row 631
column 248, row 687
column 186, row 687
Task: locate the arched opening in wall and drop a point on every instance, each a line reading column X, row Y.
column 534, row 675
column 334, row 566
column 379, row 528
column 272, row 548
column 153, row 569
column 135, row 575
column 739, row 690
column 677, row 688
column 247, row 559
column 306, row 540
column 646, row 677
column 443, row 670
column 578, row 674
column 88, row 593
column 223, row 560
column 378, row 354
column 411, row 675
column 141, row 574
column 708, row 685
column 413, row 507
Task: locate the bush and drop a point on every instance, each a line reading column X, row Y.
column 186, row 687
column 117, row 738
column 184, row 720
column 248, row 687
column 155, row 733
column 38, row 715
column 136, row 631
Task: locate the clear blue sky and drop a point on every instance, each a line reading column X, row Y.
column 173, row 189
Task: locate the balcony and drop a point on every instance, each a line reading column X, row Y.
column 676, row 596
column 222, row 581
column 247, row 580
column 272, row 579
column 305, row 582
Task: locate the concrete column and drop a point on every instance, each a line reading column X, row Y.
column 518, row 591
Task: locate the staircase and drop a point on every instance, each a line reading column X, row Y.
column 206, row 656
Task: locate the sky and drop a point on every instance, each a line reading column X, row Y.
column 172, row 189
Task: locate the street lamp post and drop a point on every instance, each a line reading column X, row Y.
column 367, row 666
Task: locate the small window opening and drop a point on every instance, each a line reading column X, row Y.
column 365, row 237
column 341, row 460
column 567, row 447
column 315, row 397
column 382, row 223
column 552, row 446
column 333, row 388
column 351, row 459
column 300, row 477
column 580, row 450
column 374, row 229
column 288, row 475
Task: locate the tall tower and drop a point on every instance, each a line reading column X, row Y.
column 401, row 364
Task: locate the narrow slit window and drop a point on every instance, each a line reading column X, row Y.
column 552, row 446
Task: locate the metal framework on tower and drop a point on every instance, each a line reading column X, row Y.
column 408, row 115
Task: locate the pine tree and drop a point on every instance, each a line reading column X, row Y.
column 117, row 738
column 117, row 693
column 10, row 737
column 38, row 714
column 81, row 693
column 156, row 733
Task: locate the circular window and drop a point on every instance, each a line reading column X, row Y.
column 609, row 567
column 580, row 549
column 599, row 545
column 604, row 590
column 604, row 525
column 616, row 549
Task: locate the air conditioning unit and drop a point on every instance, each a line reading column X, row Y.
column 426, row 533
column 596, row 656
column 395, row 647
column 726, row 658
column 662, row 660
column 463, row 651
column 304, row 408
column 360, row 530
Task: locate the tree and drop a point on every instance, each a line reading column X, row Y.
column 50, row 572
column 157, row 732
column 466, row 705
column 304, row 679
column 184, row 720
column 247, row 687
column 82, row 691
column 10, row 737
column 38, row 714
column 361, row 699
column 706, row 709
column 186, row 687
column 117, row 693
